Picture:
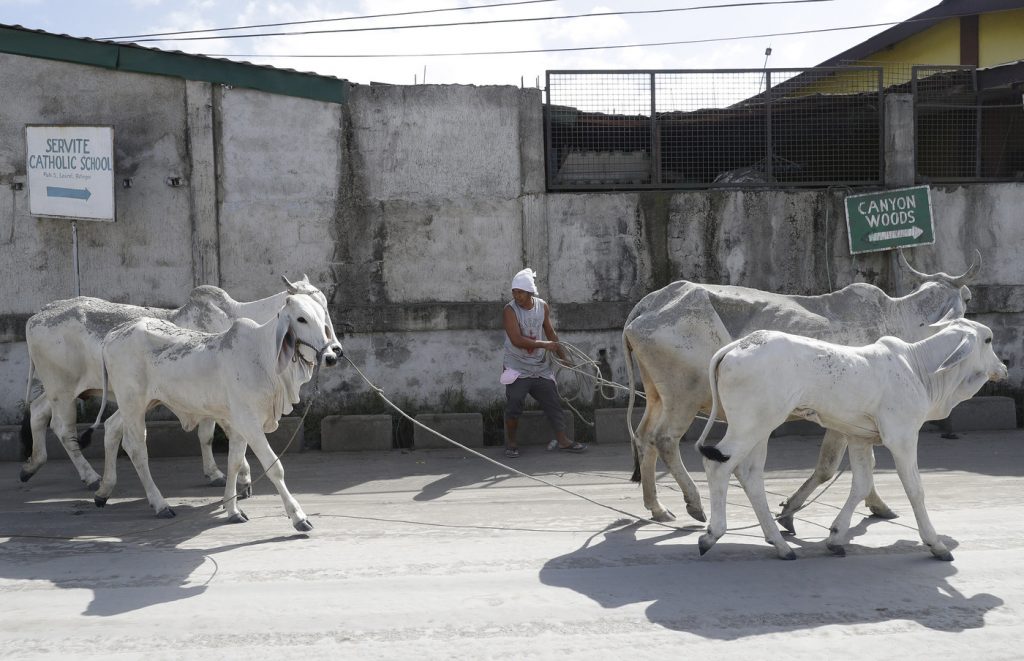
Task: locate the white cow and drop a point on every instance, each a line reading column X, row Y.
column 64, row 340
column 885, row 391
column 234, row 378
column 674, row 331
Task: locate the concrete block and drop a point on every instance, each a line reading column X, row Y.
column 799, row 428
column 697, row 428
column 281, row 437
column 10, row 443
column 534, row 428
column 340, row 433
column 610, row 424
column 466, row 428
column 984, row 413
column 166, row 438
column 55, row 451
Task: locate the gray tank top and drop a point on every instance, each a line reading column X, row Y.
column 529, row 362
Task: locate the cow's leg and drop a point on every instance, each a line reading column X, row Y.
column 750, row 473
column 214, row 476
column 904, row 455
column 63, row 420
column 236, row 457
column 244, row 478
column 648, row 459
column 832, row 448
column 861, row 461
column 873, row 500
column 718, row 488
column 134, row 443
column 275, row 471
column 39, row 420
column 113, row 431
column 667, row 430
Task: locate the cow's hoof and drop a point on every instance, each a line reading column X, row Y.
column 238, row 517
column 94, row 485
column 25, row 475
column 303, row 526
column 697, row 512
column 836, row 549
column 945, row 556
column 663, row 517
column 788, row 555
column 705, row 543
column 883, row 512
column 786, row 521
column 216, row 482
column 165, row 513
column 100, row 501
column 245, row 491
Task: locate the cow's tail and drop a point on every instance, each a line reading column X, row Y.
column 86, row 437
column 26, row 418
column 627, row 351
column 711, row 452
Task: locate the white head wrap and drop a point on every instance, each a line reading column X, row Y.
column 525, row 280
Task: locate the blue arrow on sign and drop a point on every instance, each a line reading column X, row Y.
column 75, row 193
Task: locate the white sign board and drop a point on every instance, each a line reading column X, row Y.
column 71, row 171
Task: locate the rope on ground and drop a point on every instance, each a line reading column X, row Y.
column 380, row 393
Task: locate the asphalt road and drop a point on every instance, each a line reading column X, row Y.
column 441, row 555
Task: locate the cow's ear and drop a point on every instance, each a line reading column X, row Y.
column 962, row 351
column 285, row 342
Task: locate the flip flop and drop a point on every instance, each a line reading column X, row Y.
column 575, row 448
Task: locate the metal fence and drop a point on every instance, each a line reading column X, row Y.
column 618, row 130
column 962, row 132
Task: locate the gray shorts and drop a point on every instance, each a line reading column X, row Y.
column 543, row 390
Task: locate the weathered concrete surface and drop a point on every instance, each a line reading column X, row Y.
column 465, row 428
column 440, row 555
column 339, row 433
column 534, row 428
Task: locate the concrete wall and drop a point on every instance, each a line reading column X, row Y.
column 411, row 207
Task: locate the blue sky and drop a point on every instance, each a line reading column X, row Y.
column 107, row 18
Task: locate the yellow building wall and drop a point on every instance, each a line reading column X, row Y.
column 1002, row 38
column 1000, row 35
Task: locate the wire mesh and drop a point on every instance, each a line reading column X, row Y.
column 611, row 130
column 963, row 133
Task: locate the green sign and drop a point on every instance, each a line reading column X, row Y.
column 889, row 219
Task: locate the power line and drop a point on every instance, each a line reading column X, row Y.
column 586, row 48
column 733, row 5
column 329, row 20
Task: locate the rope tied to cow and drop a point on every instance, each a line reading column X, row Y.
column 380, row 393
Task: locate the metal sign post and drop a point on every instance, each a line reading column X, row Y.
column 71, row 175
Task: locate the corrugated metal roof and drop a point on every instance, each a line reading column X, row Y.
column 18, row 40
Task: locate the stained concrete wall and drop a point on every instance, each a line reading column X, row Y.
column 411, row 207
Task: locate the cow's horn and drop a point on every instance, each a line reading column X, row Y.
column 970, row 273
column 291, row 286
column 906, row 266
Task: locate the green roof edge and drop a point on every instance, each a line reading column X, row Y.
column 136, row 59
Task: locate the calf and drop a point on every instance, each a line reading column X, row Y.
column 882, row 392
column 238, row 378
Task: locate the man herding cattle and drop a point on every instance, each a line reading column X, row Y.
column 526, row 365
column 881, row 392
